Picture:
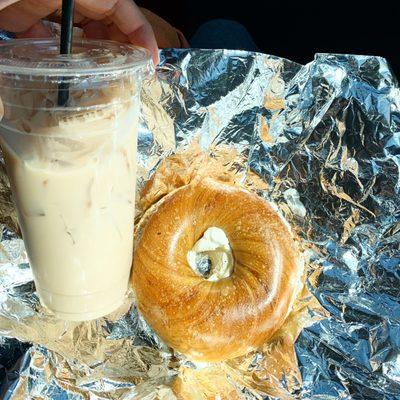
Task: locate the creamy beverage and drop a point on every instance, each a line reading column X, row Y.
column 72, row 171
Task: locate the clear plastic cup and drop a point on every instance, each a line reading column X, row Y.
column 72, row 167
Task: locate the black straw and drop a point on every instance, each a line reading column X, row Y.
column 67, row 25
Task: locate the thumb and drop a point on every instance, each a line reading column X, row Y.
column 38, row 30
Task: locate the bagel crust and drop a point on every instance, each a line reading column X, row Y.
column 206, row 320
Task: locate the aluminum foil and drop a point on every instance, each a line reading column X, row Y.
column 324, row 141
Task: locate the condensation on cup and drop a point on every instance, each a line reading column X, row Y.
column 72, row 167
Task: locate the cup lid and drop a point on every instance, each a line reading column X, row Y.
column 89, row 57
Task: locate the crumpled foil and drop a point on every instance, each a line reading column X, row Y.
column 325, row 140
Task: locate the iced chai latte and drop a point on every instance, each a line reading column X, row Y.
column 72, row 167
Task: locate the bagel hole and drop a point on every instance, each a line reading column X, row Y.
column 214, row 265
column 211, row 257
column 203, row 265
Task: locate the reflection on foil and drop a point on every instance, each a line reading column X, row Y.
column 325, row 141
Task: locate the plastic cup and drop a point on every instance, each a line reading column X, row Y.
column 72, row 168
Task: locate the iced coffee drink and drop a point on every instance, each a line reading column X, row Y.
column 72, row 167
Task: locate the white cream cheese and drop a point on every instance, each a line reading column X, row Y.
column 213, row 246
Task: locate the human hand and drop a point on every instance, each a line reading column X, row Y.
column 119, row 20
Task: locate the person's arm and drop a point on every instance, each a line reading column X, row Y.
column 166, row 34
column 119, row 20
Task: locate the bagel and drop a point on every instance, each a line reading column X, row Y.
column 208, row 320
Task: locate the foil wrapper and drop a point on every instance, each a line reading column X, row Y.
column 321, row 141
